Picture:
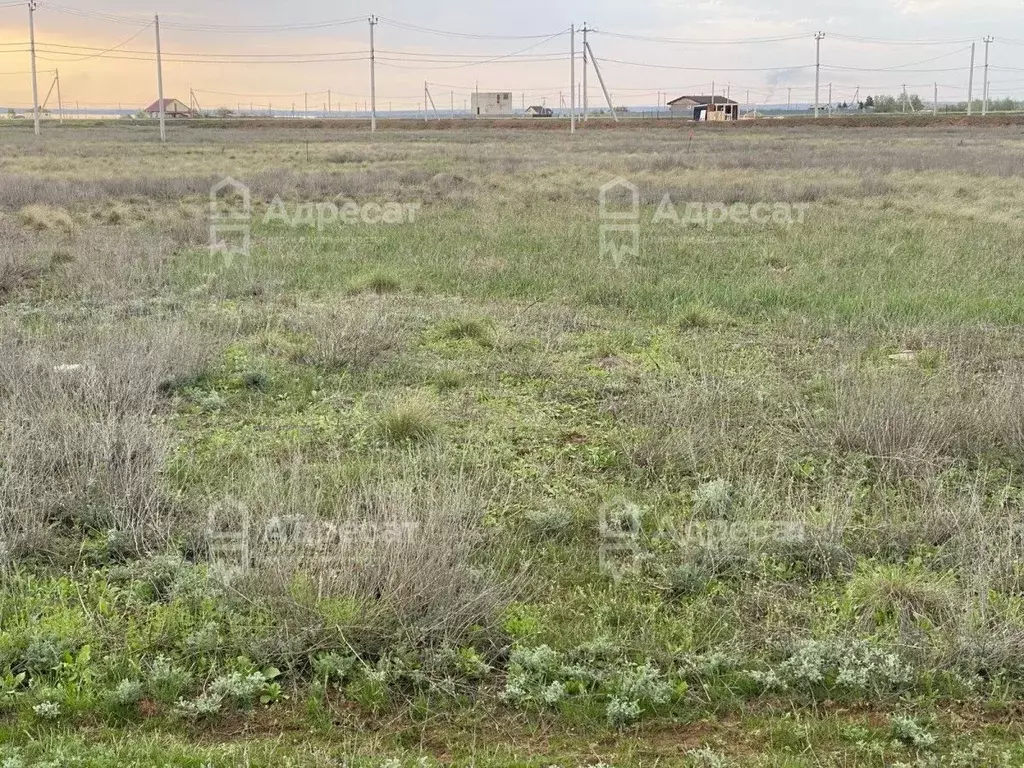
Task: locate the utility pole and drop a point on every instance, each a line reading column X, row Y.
column 160, row 82
column 984, row 98
column 600, row 79
column 830, row 99
column 373, row 79
column 970, row 82
column 572, row 78
column 586, row 100
column 60, row 103
column 789, row 101
column 329, row 102
column 904, row 98
column 935, row 101
column 426, row 116
column 817, row 69
column 32, row 49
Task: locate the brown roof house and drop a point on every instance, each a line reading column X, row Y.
column 706, row 108
column 172, row 108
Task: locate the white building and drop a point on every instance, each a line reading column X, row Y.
column 491, row 104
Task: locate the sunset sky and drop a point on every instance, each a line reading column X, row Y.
column 220, row 35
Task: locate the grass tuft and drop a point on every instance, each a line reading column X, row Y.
column 411, row 420
column 478, row 330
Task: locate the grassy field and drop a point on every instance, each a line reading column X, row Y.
column 428, row 476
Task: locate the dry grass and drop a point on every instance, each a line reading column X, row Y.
column 394, row 559
column 82, row 449
column 353, row 336
column 44, row 217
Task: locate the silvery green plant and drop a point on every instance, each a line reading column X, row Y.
column 714, row 499
column 643, row 683
column 127, row 693
column 239, row 688
column 623, row 712
column 206, row 705
column 47, row 710
column 855, row 665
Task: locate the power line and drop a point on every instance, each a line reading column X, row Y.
column 903, row 67
column 108, row 50
column 697, row 41
column 519, row 55
column 708, row 69
column 226, row 28
column 76, row 48
column 879, row 41
column 467, row 36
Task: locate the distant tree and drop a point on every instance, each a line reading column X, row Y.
column 224, row 112
column 885, row 103
column 869, row 102
column 1004, row 105
column 861, row 104
column 915, row 103
column 11, row 112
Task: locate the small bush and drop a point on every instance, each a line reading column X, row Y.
column 166, row 681
column 838, row 665
column 903, row 599
column 351, row 338
column 408, row 421
column 910, row 732
column 697, row 315
column 550, row 522
column 473, row 329
column 713, row 500
column 901, row 421
column 17, row 275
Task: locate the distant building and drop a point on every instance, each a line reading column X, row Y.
column 706, row 108
column 172, row 108
column 491, row 104
column 540, row 112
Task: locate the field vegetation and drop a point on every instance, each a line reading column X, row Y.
column 463, row 489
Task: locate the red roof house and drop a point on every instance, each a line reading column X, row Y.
column 172, row 108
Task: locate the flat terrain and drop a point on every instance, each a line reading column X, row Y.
column 443, row 467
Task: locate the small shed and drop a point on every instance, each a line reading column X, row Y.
column 540, row 112
column 484, row 104
column 172, row 108
column 706, row 108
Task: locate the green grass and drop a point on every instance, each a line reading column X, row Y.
column 753, row 491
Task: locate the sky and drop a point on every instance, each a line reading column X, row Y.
column 649, row 51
